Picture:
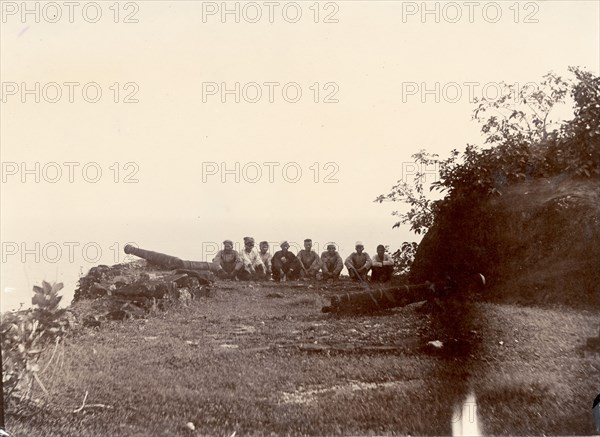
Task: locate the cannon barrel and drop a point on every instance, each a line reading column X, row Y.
column 157, row 258
column 168, row 261
column 197, row 265
column 384, row 298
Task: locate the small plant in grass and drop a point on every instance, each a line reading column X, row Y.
column 25, row 336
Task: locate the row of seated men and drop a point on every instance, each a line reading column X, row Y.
column 252, row 264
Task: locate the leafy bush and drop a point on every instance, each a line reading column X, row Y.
column 422, row 208
column 25, row 335
column 404, row 257
column 522, row 143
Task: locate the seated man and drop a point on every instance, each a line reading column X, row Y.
column 358, row 263
column 382, row 266
column 253, row 269
column 331, row 263
column 265, row 256
column 309, row 262
column 227, row 262
column 284, row 264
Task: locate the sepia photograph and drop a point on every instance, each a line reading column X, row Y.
column 299, row 218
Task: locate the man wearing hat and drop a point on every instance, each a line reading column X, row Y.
column 382, row 266
column 358, row 262
column 309, row 262
column 227, row 262
column 265, row 256
column 331, row 263
column 253, row 267
column 284, row 263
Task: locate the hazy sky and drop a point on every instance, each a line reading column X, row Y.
column 375, row 61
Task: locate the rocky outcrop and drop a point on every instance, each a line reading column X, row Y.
column 537, row 243
column 132, row 290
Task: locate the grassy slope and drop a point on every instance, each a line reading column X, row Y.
column 247, row 370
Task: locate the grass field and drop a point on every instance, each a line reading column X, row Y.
column 261, row 359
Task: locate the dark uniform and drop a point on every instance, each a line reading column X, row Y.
column 283, row 263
